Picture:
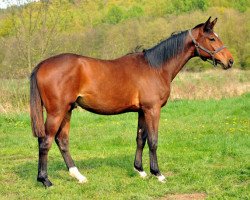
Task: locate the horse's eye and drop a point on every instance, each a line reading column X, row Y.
column 212, row 39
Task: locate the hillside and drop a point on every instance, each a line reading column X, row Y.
column 109, row 29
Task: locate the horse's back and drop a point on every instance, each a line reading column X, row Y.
column 106, row 87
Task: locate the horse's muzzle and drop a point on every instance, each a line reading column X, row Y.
column 227, row 65
column 230, row 63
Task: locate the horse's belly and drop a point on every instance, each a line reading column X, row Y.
column 107, row 105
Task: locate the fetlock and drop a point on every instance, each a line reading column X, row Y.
column 138, row 167
column 155, row 172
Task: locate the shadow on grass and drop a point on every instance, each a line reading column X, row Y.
column 28, row 170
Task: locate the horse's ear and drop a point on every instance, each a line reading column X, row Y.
column 207, row 22
column 208, row 26
column 213, row 23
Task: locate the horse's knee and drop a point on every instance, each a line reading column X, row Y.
column 153, row 144
column 141, row 138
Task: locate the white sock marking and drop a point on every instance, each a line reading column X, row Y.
column 73, row 171
column 142, row 174
column 161, row 178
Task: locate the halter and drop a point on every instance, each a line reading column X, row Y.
column 211, row 53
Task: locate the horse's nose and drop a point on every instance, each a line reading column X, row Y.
column 231, row 62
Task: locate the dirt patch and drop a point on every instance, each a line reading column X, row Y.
column 168, row 174
column 193, row 196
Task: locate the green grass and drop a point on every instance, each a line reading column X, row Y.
column 203, row 147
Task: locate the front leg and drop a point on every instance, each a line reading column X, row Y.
column 152, row 116
column 140, row 140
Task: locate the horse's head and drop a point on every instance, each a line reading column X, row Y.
column 209, row 46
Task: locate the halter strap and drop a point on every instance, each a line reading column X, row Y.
column 198, row 46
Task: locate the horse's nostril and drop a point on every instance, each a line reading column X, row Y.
column 231, row 61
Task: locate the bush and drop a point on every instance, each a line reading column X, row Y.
column 135, row 11
column 115, row 15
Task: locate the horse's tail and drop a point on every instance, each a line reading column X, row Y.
column 36, row 106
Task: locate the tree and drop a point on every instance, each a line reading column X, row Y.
column 35, row 26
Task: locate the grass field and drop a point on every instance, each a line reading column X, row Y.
column 204, row 148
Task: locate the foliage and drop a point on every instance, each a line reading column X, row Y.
column 189, row 5
column 109, row 29
column 114, row 16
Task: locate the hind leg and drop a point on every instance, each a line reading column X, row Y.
column 62, row 140
column 51, row 127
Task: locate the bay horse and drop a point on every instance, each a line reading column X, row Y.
column 137, row 82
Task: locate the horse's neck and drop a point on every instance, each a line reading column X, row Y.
column 172, row 67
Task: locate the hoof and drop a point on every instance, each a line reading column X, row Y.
column 161, row 178
column 73, row 171
column 46, row 182
column 142, row 174
column 83, row 180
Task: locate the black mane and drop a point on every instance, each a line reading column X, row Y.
column 165, row 50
